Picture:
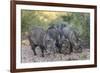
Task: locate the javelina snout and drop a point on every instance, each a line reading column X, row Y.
column 66, row 48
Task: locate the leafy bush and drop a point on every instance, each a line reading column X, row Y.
column 78, row 20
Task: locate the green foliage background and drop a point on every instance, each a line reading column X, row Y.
column 78, row 20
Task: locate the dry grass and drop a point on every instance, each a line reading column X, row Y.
column 28, row 56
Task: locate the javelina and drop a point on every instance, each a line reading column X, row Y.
column 56, row 32
column 62, row 43
column 73, row 37
column 55, row 35
column 39, row 37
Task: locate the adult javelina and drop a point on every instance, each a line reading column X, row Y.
column 38, row 37
column 55, row 35
column 65, row 43
column 62, row 44
column 73, row 37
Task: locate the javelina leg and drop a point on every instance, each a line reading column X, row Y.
column 42, row 50
column 58, row 47
column 59, row 50
column 33, row 48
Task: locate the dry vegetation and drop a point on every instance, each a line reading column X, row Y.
column 28, row 55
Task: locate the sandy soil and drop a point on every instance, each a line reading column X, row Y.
column 28, row 56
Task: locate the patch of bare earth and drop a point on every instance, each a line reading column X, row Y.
column 28, row 56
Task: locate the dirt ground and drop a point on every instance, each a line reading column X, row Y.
column 27, row 55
